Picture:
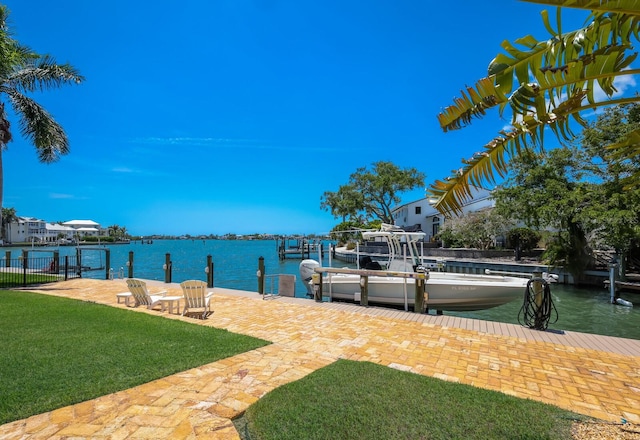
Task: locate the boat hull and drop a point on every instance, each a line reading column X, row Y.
column 443, row 291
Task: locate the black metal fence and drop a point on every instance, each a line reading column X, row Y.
column 23, row 271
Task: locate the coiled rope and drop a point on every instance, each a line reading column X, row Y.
column 533, row 315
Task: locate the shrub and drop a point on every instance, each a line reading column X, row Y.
column 524, row 238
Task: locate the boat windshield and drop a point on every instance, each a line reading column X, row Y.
column 397, row 240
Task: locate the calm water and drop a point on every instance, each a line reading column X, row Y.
column 236, row 264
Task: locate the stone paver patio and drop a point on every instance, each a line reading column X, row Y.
column 592, row 375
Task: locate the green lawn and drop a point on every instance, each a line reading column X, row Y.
column 361, row 400
column 17, row 278
column 59, row 351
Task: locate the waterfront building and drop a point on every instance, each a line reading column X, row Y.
column 420, row 215
column 37, row 231
column 84, row 228
column 33, row 230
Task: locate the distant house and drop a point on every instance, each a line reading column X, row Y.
column 84, row 228
column 420, row 215
column 31, row 229
column 57, row 231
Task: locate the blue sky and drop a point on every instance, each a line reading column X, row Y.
column 217, row 116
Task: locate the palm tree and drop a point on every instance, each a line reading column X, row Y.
column 23, row 71
column 547, row 84
column 117, row 232
column 7, row 216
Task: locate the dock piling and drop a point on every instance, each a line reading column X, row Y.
column 261, row 275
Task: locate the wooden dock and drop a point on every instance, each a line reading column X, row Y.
column 298, row 247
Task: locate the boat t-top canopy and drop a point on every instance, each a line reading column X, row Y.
column 393, row 232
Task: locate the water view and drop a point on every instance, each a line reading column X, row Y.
column 236, row 263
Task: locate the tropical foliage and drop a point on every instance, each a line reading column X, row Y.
column 8, row 216
column 351, row 231
column 23, row 71
column 118, row 232
column 546, row 85
column 478, row 230
column 370, row 194
column 577, row 192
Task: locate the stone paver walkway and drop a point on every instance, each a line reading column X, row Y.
column 591, row 375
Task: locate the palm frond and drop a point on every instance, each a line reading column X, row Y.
column 39, row 127
column 622, row 6
column 479, row 170
column 557, row 67
column 43, row 74
column 473, row 103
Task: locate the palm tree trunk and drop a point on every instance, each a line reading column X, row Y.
column 2, row 233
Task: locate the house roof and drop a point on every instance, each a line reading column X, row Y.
column 81, row 223
column 57, row 227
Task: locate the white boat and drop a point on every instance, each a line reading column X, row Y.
column 443, row 291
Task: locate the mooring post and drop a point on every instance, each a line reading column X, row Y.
column 612, row 280
column 209, row 271
column 316, row 280
column 261, row 275
column 130, row 264
column 167, row 268
column 418, row 305
column 538, row 297
column 107, row 264
column 364, row 290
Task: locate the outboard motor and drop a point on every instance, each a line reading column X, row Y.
column 306, row 272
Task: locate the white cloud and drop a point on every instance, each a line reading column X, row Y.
column 61, row 196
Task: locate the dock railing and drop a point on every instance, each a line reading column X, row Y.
column 279, row 285
column 420, row 277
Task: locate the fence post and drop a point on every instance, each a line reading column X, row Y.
column 56, row 262
column 79, row 262
column 8, row 262
column 25, row 265
column 261, row 275
column 209, row 271
column 130, row 264
column 66, row 267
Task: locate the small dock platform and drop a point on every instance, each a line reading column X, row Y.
column 625, row 286
column 298, row 247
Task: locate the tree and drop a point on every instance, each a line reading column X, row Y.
column 344, row 203
column 352, row 230
column 578, row 192
column 546, row 85
column 117, row 232
column 549, row 191
column 24, row 71
column 615, row 213
column 372, row 193
column 8, row 216
column 476, row 230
